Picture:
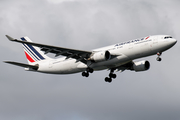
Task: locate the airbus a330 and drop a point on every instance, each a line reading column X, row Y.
column 117, row 57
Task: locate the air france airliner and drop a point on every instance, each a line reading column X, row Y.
column 117, row 57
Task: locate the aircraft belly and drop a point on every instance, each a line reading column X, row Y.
column 69, row 67
column 115, row 62
column 61, row 67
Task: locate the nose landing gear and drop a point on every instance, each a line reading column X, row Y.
column 158, row 58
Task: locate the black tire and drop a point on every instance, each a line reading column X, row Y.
column 109, row 80
column 83, row 74
column 87, row 74
column 91, row 70
column 106, row 79
column 111, row 75
column 158, row 59
column 114, row 76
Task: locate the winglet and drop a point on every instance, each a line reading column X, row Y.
column 10, row 38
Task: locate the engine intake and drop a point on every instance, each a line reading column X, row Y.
column 141, row 66
column 100, row 56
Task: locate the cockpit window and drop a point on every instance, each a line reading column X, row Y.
column 167, row 37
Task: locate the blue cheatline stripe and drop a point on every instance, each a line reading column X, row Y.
column 34, row 50
column 29, row 53
column 32, row 54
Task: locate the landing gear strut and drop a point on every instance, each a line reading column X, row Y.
column 90, row 70
column 86, row 73
column 158, row 58
column 111, row 75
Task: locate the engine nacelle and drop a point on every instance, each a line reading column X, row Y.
column 100, row 56
column 141, row 66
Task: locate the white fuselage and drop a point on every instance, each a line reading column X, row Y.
column 121, row 53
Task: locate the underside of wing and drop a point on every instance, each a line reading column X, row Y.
column 124, row 67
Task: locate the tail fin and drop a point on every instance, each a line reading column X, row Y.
column 33, row 54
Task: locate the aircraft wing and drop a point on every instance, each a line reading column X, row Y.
column 79, row 55
column 124, row 67
column 35, row 67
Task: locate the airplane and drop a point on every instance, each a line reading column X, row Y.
column 117, row 57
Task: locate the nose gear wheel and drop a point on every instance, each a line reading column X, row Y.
column 158, row 58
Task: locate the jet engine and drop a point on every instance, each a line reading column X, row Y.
column 140, row 66
column 100, row 56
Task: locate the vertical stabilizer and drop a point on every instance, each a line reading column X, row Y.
column 33, row 54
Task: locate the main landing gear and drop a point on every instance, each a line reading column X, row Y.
column 86, row 73
column 107, row 79
column 111, row 75
column 158, row 58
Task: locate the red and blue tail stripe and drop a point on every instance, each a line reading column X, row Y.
column 29, row 58
column 31, row 53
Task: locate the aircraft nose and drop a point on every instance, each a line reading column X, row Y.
column 173, row 42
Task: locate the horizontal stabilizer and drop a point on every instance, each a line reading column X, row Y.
column 35, row 67
column 10, row 38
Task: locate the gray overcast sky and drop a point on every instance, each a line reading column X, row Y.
column 89, row 24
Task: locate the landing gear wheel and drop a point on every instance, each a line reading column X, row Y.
column 114, row 76
column 158, row 59
column 85, row 74
column 111, row 75
column 108, row 79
